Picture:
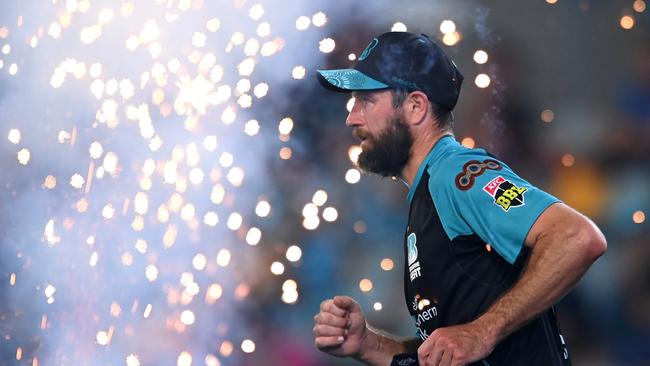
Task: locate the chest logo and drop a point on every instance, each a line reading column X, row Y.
column 471, row 170
column 412, row 254
column 505, row 194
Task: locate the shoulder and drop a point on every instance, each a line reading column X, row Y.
column 461, row 168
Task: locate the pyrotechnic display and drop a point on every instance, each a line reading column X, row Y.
column 178, row 188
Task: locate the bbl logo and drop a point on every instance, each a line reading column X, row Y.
column 505, row 193
column 368, row 49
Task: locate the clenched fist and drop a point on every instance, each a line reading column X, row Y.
column 340, row 327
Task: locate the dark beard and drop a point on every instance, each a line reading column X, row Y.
column 389, row 151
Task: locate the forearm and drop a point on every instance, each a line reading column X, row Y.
column 378, row 347
column 556, row 264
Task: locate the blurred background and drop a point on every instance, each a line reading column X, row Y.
column 176, row 188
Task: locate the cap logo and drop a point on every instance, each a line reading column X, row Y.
column 369, row 49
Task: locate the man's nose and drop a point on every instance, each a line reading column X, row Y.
column 355, row 117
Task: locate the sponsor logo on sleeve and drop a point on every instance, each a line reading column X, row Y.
column 473, row 169
column 505, row 194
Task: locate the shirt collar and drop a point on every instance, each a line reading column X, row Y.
column 436, row 151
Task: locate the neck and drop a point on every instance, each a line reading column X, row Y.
column 421, row 148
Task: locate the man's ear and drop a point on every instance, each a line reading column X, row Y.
column 416, row 107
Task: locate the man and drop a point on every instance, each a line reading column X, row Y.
column 486, row 253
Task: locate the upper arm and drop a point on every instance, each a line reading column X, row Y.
column 560, row 222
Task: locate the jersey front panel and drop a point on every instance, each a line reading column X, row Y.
column 457, row 263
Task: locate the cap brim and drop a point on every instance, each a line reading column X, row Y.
column 348, row 80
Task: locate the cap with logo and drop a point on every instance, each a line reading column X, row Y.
column 400, row 60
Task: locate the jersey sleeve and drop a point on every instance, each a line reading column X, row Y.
column 477, row 194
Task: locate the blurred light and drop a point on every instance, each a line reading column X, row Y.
column 246, row 67
column 423, row 303
column 261, row 90
column 365, row 285
column 248, row 346
column 330, row 214
column 639, row 6
column 547, row 115
column 234, row 221
column 352, row 57
column 23, row 156
column 141, row 203
column 638, row 217
column 218, row 193
column 352, row 176
column 468, row 142
column 187, row 317
column 480, row 57
column 213, row 24
column 359, row 227
column 627, row 22
column 447, row 27
column 353, row 153
column 451, row 39
column 482, row 80
column 277, row 268
column 151, row 272
column 386, row 264
column 293, row 253
column 226, row 159
column 228, row 116
column 196, row 176
column 243, row 85
column 252, row 127
column 289, row 285
column 236, row 176
column 108, row 211
column 290, row 297
column 310, row 210
column 50, row 182
column 285, row 126
column 127, row 259
column 96, row 150
column 223, row 257
column 14, row 136
column 350, row 104
column 187, row 212
column 141, row 246
column 302, row 22
column 214, row 292
column 311, row 222
column 326, row 45
column 199, row 39
column 263, row 29
column 253, row 236
column 398, row 27
column 211, row 218
column 199, row 262
column 184, row 359
column 319, row 198
column 319, row 19
column 212, row 360
column 568, row 160
column 102, row 338
column 132, row 360
column 226, row 348
column 262, row 209
column 285, row 153
column 298, row 72
column 551, row 1
column 377, row 306
column 256, row 12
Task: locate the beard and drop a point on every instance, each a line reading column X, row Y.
column 388, row 152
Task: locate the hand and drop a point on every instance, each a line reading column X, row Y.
column 455, row 346
column 340, row 327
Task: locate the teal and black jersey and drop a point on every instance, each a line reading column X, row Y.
column 464, row 247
